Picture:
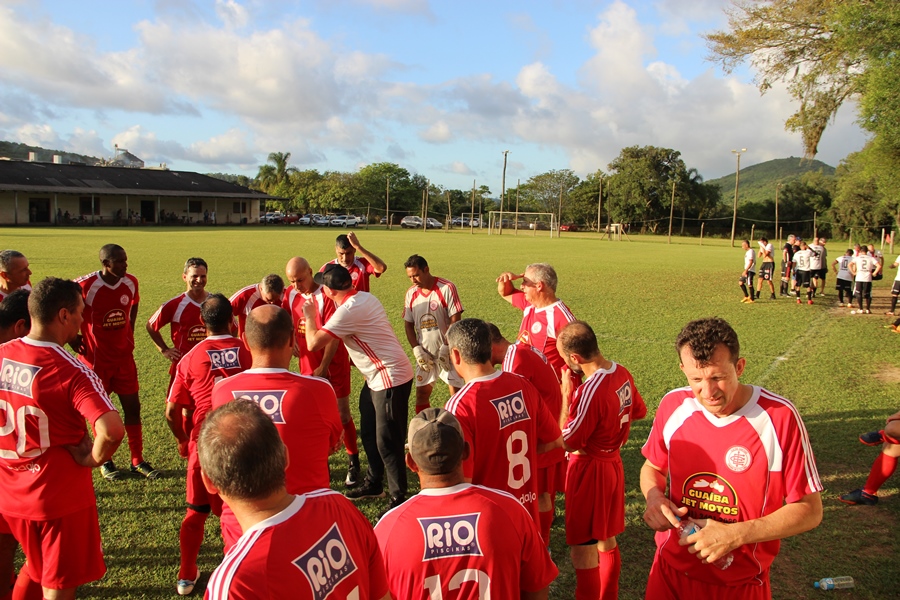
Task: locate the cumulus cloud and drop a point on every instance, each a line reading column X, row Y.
column 438, row 133
column 232, row 13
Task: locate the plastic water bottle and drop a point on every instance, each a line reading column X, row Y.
column 834, row 583
column 687, row 527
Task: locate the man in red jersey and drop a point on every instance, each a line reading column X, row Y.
column 738, row 462
column 530, row 363
column 598, row 421
column 361, row 268
column 333, row 362
column 455, row 539
column 183, row 313
column 218, row 356
column 544, row 313
column 307, row 547
column 14, row 272
column 14, row 319
column 269, row 291
column 48, row 500
column 106, row 345
column 503, row 418
column 303, row 408
column 431, row 305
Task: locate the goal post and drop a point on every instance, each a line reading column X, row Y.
column 530, row 222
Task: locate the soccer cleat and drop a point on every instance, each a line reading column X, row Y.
column 799, row 301
column 773, row 297
column 853, row 312
column 745, row 299
column 352, row 479
column 185, row 586
column 873, row 438
column 109, row 471
column 749, row 300
column 895, row 329
column 809, row 301
column 890, row 312
column 368, row 489
column 144, row 468
column 396, row 501
column 868, row 312
column 859, row 497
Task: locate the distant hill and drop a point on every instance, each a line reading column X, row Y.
column 20, row 151
column 758, row 181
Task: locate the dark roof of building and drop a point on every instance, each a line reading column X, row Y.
column 82, row 179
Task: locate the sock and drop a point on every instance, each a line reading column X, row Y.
column 421, row 407
column 135, row 443
column 546, row 519
column 809, row 294
column 190, row 538
column 26, row 588
column 840, row 296
column 882, row 468
column 744, row 289
column 350, row 437
column 893, row 303
column 609, row 569
column 587, row 584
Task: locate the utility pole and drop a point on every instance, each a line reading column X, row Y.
column 503, row 190
column 387, row 201
column 777, row 232
column 737, row 179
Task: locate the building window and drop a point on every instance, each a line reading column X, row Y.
column 239, row 208
column 195, row 206
column 84, row 206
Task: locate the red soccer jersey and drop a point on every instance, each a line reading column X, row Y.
column 107, row 330
column 601, row 412
column 242, row 302
column 45, row 397
column 463, row 543
column 319, row 547
column 539, row 326
column 360, row 272
column 303, row 408
column 184, row 315
column 210, row 361
column 732, row 469
column 504, row 420
column 310, row 361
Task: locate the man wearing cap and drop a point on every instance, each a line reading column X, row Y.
column 457, row 536
column 362, row 324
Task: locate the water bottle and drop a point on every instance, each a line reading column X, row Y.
column 834, row 583
column 687, row 527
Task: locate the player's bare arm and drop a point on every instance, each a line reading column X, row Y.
column 133, row 315
column 315, row 339
column 77, row 344
column 378, row 265
column 411, row 337
column 715, row 540
column 173, row 354
column 331, row 349
column 661, row 513
column 538, row 595
column 108, row 434
column 176, row 420
column 505, row 285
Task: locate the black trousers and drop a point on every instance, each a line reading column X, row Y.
column 382, row 427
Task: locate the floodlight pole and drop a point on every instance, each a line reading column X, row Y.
column 777, row 232
column 737, row 179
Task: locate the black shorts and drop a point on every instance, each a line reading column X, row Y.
column 785, row 271
column 895, row 289
column 863, row 288
column 820, row 273
column 803, row 278
column 766, row 271
column 748, row 279
column 844, row 285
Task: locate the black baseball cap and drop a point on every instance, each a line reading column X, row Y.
column 334, row 276
column 436, row 441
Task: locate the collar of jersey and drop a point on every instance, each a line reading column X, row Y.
column 493, row 375
column 445, row 491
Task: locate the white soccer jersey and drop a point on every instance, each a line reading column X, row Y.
column 802, row 259
column 750, row 260
column 816, row 256
column 430, row 311
column 865, row 265
column 844, row 268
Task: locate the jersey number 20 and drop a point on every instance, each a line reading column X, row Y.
column 15, row 425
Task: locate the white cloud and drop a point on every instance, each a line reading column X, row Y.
column 438, row 133
column 460, row 168
column 233, row 14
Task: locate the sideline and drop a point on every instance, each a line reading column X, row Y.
column 801, row 342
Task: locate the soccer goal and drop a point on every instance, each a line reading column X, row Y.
column 525, row 222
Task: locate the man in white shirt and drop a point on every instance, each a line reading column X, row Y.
column 864, row 268
column 844, row 285
column 746, row 279
column 803, row 269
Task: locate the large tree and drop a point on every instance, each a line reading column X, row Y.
column 641, row 186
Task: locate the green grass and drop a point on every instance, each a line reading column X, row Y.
column 840, row 371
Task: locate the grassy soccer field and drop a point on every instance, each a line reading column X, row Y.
column 841, row 371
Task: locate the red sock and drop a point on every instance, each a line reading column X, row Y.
column 587, row 584
column 135, row 443
column 546, row 519
column 350, row 437
column 421, row 407
column 610, row 566
column 882, row 468
column 189, row 541
column 26, row 588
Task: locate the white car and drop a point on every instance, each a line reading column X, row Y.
column 338, row 221
column 321, row 221
column 411, row 222
column 351, row 221
column 433, row 223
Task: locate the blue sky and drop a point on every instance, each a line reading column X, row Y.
column 441, row 88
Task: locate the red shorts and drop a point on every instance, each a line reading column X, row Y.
column 118, row 377
column 62, row 553
column 595, row 499
column 666, row 583
column 552, row 478
column 231, row 529
column 4, row 528
column 339, row 373
column 197, row 494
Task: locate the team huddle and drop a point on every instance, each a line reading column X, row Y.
column 730, row 459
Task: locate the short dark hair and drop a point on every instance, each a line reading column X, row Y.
column 14, row 308
column 273, row 283
column 6, row 258
column 343, row 242
column 217, row 313
column 762, row 239
column 415, row 261
column 241, row 452
column 107, row 251
column 703, row 336
column 473, row 340
column 496, row 334
column 745, row 242
column 577, row 337
column 51, row 295
column 275, row 333
column 195, row 262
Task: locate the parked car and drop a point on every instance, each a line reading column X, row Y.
column 411, row 222
column 273, row 217
column 351, row 221
column 568, row 227
column 305, row 220
column 460, row 222
column 539, row 225
column 290, row 219
column 363, row 220
column 433, row 224
column 338, row 221
column 321, row 221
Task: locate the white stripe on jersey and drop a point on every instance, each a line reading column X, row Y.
column 586, row 394
column 92, row 377
column 220, row 581
column 380, row 367
column 812, row 473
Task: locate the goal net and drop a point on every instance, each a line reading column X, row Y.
column 521, row 222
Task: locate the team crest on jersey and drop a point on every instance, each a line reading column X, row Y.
column 511, row 409
column 428, row 322
column 536, row 327
column 624, row 394
column 269, row 401
column 17, row 377
column 709, row 495
column 224, row 358
column 124, row 299
column 354, row 276
column 455, row 535
column 326, row 564
column 114, row 319
column 196, row 334
column 433, row 304
column 738, row 459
